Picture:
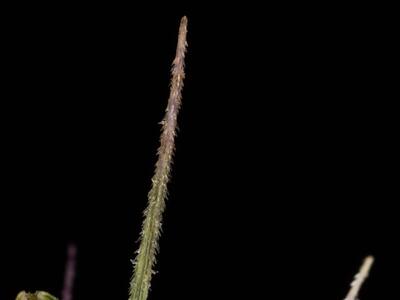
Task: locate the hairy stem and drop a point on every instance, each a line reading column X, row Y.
column 146, row 255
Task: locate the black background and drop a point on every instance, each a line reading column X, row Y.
column 285, row 169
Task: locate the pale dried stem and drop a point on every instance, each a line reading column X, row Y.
column 360, row 278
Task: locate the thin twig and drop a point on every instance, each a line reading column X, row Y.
column 69, row 276
column 360, row 278
column 146, row 255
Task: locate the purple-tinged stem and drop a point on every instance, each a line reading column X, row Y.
column 70, row 272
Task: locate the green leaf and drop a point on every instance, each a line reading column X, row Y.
column 36, row 296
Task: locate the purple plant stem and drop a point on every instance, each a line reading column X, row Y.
column 69, row 276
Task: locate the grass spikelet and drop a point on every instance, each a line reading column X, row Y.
column 146, row 255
